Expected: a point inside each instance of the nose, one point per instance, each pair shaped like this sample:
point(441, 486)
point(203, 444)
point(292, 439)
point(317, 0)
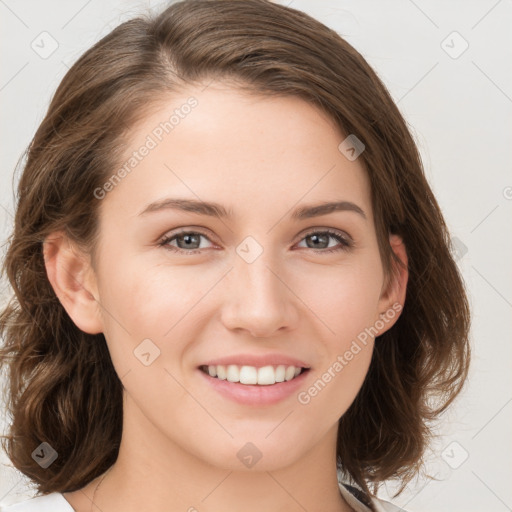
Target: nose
point(259, 299)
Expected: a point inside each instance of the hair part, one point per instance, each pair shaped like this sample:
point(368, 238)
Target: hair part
point(63, 388)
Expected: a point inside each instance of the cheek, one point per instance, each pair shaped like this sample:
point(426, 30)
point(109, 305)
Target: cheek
point(344, 297)
point(347, 345)
point(336, 385)
point(346, 300)
point(146, 310)
point(139, 303)
point(143, 300)
point(148, 298)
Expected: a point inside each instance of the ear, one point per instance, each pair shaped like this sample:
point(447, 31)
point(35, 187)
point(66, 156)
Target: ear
point(393, 292)
point(73, 281)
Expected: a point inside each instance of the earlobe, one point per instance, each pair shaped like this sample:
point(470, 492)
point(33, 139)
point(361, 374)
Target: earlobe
point(73, 281)
point(393, 294)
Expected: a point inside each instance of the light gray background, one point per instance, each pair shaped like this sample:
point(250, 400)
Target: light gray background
point(459, 108)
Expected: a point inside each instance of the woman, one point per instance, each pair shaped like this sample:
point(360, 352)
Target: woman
point(233, 284)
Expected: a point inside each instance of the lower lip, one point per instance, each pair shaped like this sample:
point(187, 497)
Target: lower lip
point(253, 394)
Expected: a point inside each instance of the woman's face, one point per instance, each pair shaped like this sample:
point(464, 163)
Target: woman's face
point(256, 281)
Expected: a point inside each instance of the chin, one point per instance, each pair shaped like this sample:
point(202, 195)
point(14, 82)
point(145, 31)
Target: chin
point(252, 454)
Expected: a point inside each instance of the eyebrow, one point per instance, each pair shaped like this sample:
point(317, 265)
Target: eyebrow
point(213, 209)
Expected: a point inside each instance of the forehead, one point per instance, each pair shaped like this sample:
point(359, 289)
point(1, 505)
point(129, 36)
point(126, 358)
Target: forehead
point(223, 144)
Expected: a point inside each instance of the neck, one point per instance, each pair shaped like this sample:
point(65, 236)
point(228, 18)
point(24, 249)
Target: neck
point(153, 473)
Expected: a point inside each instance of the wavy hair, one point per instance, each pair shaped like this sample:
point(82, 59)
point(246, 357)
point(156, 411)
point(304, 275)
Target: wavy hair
point(62, 386)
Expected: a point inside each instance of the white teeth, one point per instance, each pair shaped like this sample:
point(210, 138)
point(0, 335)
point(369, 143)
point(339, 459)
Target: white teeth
point(248, 375)
point(290, 373)
point(221, 372)
point(280, 373)
point(232, 373)
point(264, 376)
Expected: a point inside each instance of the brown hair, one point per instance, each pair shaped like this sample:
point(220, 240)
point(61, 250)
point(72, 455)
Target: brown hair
point(63, 388)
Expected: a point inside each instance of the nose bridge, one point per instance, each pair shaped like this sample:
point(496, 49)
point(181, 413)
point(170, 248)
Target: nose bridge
point(257, 300)
point(257, 277)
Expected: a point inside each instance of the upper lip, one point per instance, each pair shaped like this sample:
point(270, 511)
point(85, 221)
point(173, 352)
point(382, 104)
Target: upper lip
point(257, 360)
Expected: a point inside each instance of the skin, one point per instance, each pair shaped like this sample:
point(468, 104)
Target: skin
point(261, 157)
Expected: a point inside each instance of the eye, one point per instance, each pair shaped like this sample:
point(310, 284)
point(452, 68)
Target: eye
point(185, 240)
point(320, 238)
point(190, 241)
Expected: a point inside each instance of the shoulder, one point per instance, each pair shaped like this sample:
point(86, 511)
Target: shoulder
point(53, 502)
point(360, 502)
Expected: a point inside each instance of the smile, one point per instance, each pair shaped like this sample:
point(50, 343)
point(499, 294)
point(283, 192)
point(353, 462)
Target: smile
point(254, 386)
point(252, 375)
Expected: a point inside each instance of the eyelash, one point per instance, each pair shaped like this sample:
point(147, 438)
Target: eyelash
point(346, 244)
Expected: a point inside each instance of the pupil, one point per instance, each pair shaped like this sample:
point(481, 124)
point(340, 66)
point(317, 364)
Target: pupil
point(188, 239)
point(317, 238)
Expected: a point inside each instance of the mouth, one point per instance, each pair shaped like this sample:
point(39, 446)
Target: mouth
point(256, 386)
point(268, 375)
